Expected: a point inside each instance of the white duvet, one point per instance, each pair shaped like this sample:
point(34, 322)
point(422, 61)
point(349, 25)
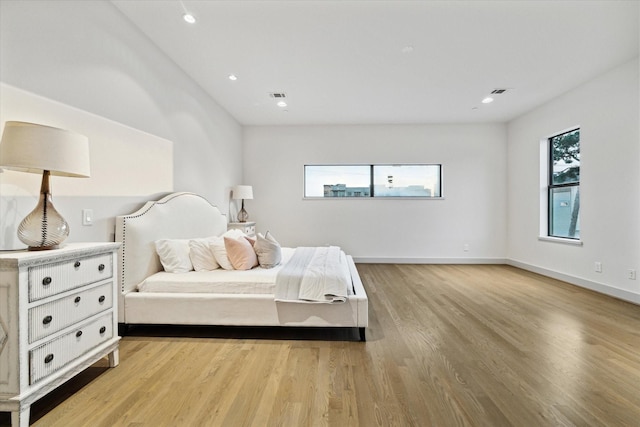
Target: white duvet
point(316, 275)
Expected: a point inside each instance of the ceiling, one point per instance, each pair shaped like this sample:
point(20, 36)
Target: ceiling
point(370, 62)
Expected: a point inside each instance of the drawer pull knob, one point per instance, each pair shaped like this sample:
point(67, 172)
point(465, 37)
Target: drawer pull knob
point(101, 267)
point(48, 358)
point(46, 281)
point(47, 320)
point(77, 300)
point(103, 330)
point(77, 264)
point(101, 299)
point(78, 334)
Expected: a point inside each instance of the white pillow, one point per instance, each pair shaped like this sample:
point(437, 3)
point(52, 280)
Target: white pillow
point(174, 255)
point(201, 256)
point(268, 250)
point(234, 233)
point(216, 245)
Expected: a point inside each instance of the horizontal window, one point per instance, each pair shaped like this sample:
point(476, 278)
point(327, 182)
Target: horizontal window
point(405, 180)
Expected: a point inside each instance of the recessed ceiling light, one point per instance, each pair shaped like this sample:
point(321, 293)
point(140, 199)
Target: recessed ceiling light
point(487, 100)
point(407, 49)
point(189, 18)
point(233, 77)
point(281, 104)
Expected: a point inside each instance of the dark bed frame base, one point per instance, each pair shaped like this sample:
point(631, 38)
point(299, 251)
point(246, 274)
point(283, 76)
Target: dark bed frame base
point(266, 331)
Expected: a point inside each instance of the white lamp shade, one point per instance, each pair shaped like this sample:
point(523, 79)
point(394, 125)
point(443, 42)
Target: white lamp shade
point(244, 192)
point(29, 147)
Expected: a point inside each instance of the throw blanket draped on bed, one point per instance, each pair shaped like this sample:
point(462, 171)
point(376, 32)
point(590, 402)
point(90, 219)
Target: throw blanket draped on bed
point(315, 275)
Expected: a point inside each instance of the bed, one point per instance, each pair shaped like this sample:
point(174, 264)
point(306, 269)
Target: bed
point(251, 303)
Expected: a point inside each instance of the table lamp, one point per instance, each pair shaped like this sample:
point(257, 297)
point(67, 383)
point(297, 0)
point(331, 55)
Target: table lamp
point(242, 192)
point(30, 147)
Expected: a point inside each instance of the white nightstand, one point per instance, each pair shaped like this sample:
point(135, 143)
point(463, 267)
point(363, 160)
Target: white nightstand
point(248, 228)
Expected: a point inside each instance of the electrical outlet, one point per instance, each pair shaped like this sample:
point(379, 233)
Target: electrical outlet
point(631, 274)
point(465, 247)
point(598, 267)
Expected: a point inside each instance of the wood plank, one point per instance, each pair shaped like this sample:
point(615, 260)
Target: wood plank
point(448, 345)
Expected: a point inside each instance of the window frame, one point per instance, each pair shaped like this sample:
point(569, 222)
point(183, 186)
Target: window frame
point(566, 185)
point(372, 192)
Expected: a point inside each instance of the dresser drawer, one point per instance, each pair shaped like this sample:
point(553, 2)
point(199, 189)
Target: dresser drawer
point(56, 315)
point(51, 279)
point(53, 355)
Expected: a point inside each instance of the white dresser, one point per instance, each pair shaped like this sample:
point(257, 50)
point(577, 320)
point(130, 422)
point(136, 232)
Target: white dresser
point(58, 316)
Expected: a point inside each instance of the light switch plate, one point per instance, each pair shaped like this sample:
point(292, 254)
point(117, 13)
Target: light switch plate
point(87, 216)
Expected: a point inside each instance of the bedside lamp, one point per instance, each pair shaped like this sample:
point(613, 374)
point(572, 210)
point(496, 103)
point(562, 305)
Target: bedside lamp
point(29, 147)
point(242, 192)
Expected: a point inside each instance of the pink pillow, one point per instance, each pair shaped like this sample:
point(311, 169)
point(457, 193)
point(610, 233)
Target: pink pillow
point(240, 253)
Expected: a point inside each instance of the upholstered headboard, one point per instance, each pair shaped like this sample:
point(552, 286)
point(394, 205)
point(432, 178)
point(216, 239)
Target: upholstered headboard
point(176, 216)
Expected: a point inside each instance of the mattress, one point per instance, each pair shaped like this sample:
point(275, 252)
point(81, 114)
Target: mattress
point(258, 280)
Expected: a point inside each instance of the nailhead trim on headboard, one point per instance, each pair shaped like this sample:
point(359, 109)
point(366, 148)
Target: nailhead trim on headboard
point(123, 221)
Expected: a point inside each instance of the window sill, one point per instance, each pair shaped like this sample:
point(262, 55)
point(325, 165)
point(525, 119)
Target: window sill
point(571, 242)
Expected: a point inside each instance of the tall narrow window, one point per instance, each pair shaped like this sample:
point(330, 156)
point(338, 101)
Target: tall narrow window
point(564, 185)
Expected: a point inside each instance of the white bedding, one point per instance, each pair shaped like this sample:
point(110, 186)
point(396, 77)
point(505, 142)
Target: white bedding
point(213, 282)
point(317, 275)
point(258, 280)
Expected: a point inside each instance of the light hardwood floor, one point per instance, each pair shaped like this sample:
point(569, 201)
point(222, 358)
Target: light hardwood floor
point(448, 345)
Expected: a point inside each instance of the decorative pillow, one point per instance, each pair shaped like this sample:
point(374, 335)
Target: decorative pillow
point(201, 256)
point(216, 245)
point(268, 251)
point(240, 253)
point(234, 233)
point(174, 255)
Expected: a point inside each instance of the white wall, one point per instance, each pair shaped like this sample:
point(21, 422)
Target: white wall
point(119, 155)
point(607, 111)
point(473, 211)
point(86, 54)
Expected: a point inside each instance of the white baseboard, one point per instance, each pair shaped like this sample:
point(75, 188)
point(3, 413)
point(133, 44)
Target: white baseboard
point(389, 260)
point(584, 283)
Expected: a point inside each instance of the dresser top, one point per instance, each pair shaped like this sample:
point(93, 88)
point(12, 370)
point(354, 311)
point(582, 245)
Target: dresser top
point(68, 251)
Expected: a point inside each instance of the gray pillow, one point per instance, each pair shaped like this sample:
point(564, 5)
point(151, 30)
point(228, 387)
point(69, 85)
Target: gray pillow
point(268, 250)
